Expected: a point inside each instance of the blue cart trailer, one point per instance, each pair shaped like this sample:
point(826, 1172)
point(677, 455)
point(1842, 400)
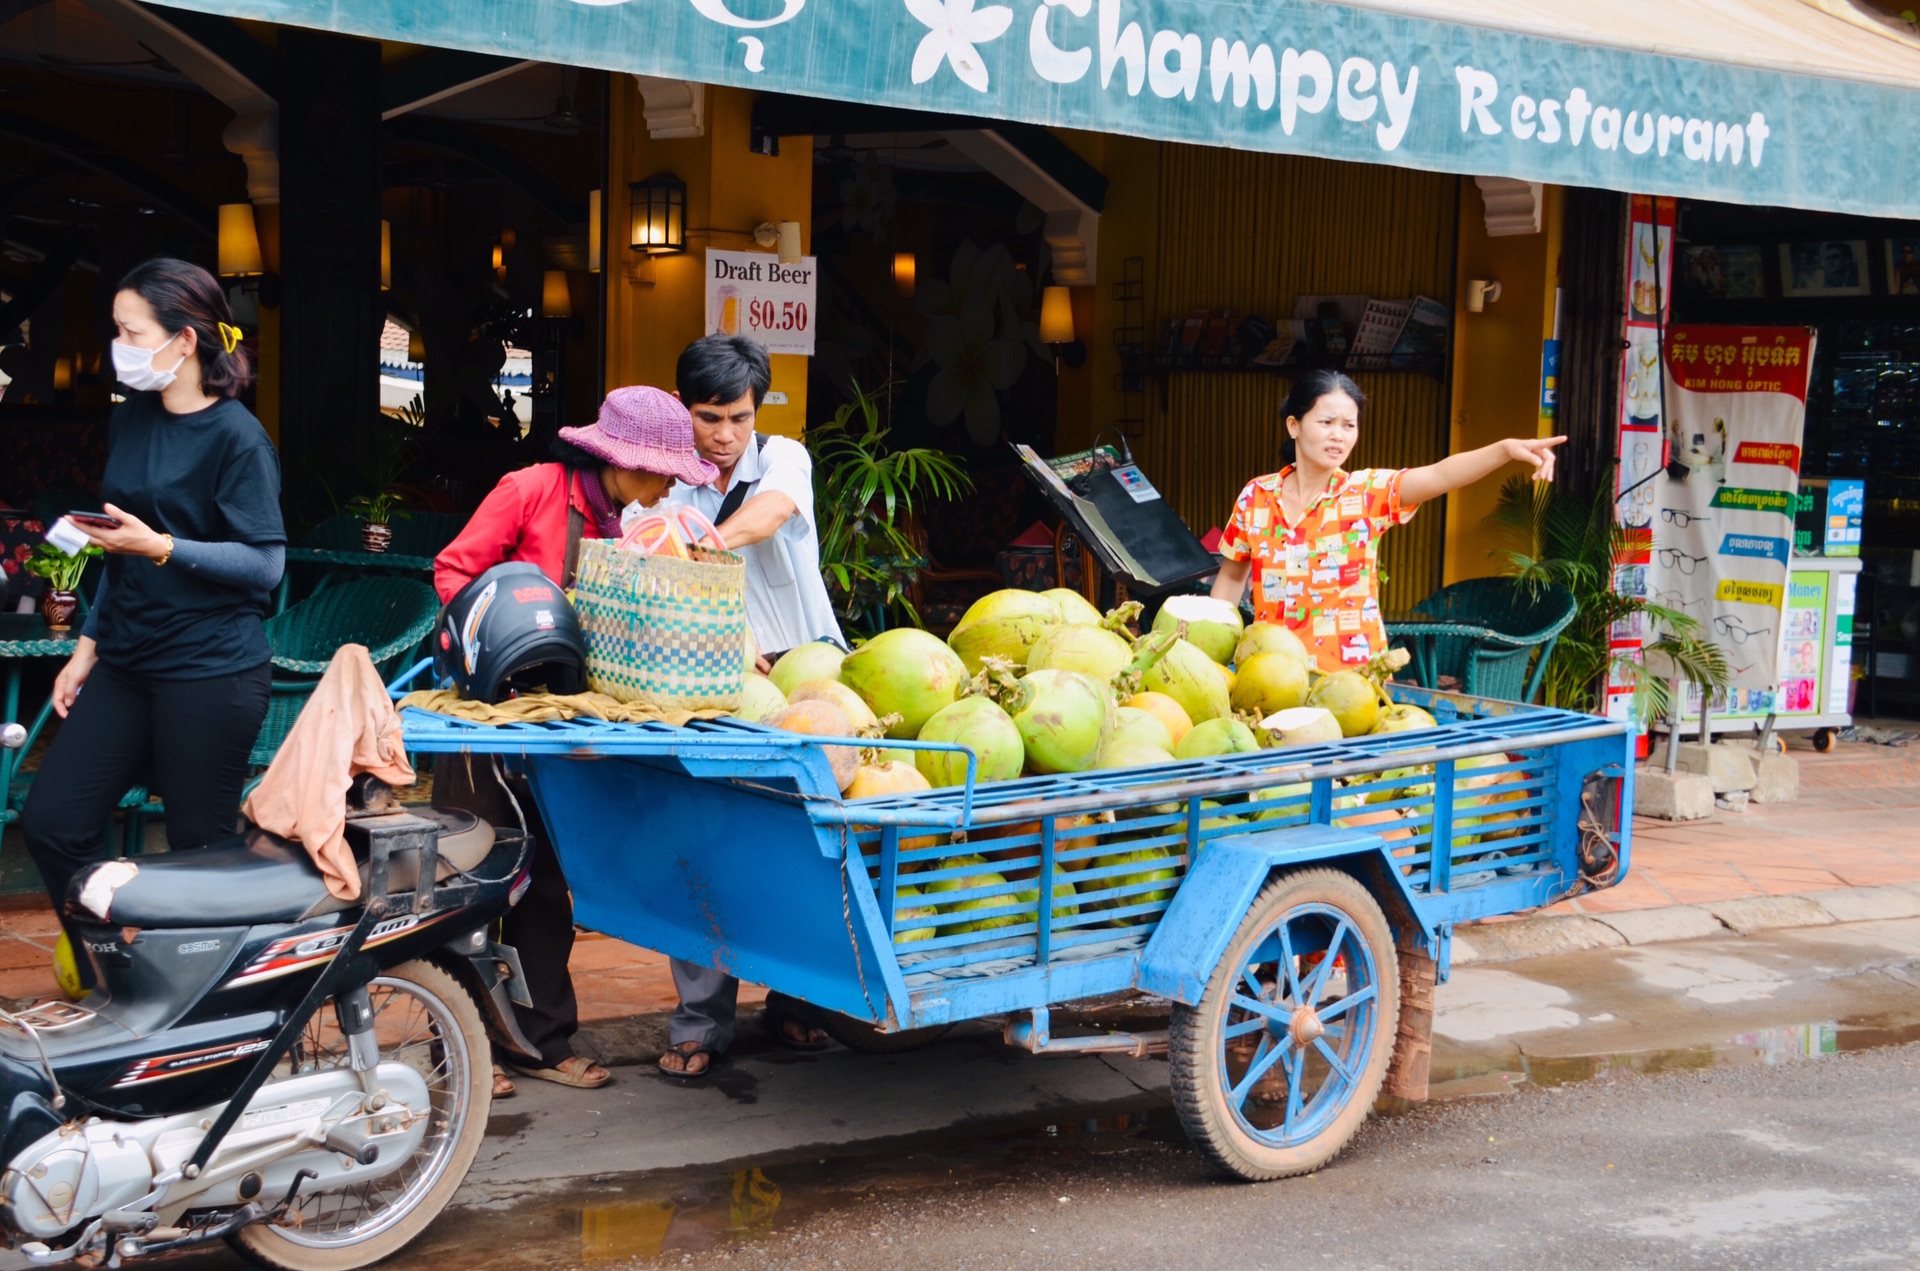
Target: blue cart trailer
point(1293, 906)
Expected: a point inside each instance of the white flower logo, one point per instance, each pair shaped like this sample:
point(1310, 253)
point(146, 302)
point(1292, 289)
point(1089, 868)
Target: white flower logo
point(953, 28)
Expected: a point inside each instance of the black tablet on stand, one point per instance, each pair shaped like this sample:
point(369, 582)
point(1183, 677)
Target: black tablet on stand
point(1122, 519)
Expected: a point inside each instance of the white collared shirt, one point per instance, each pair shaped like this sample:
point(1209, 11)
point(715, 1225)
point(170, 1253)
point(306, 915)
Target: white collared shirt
point(787, 603)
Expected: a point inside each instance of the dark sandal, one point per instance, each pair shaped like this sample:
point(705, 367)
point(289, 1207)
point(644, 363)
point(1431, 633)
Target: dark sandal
point(683, 1075)
point(777, 1019)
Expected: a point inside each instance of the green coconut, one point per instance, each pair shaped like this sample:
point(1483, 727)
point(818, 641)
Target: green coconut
point(982, 727)
point(759, 699)
point(1150, 866)
point(1403, 718)
point(1192, 679)
point(1270, 637)
point(1212, 626)
point(1217, 737)
point(1288, 801)
point(1269, 682)
point(1351, 698)
point(1301, 726)
point(1131, 724)
point(1090, 650)
point(1132, 754)
point(858, 713)
point(1061, 716)
point(914, 924)
point(1002, 624)
point(1073, 606)
point(1062, 891)
point(904, 672)
point(816, 661)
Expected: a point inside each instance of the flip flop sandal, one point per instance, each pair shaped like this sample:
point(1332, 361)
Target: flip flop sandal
point(777, 1019)
point(581, 1077)
point(682, 1074)
point(500, 1076)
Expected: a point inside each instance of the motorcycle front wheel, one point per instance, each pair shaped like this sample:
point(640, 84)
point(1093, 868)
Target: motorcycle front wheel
point(425, 1019)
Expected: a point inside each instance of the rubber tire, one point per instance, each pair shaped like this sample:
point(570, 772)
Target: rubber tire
point(1824, 740)
point(1194, 1044)
point(264, 1245)
point(857, 1034)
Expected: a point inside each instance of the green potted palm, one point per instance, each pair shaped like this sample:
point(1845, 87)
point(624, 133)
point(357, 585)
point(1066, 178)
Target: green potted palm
point(863, 492)
point(1579, 546)
point(62, 573)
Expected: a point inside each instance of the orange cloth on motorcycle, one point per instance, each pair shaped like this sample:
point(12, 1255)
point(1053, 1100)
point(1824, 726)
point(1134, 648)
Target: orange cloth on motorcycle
point(349, 726)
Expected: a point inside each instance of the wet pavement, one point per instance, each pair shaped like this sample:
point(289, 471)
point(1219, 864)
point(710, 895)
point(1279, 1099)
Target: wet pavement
point(1744, 1101)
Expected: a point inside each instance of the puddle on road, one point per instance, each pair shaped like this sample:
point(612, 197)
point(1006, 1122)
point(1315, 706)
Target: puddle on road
point(631, 1220)
point(1784, 1044)
point(613, 1221)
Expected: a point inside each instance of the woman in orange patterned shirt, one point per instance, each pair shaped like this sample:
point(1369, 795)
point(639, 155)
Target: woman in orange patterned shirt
point(1308, 535)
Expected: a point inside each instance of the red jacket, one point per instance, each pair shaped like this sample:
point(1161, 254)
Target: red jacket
point(525, 519)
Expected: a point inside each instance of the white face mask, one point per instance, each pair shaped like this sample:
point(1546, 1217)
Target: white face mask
point(134, 367)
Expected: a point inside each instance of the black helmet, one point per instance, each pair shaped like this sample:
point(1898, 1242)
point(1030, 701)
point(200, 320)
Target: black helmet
point(510, 631)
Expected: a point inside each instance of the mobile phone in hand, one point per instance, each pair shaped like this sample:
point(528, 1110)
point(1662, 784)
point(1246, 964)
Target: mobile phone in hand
point(94, 520)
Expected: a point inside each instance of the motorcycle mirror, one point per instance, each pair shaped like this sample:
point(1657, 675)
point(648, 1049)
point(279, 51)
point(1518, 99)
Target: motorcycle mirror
point(12, 736)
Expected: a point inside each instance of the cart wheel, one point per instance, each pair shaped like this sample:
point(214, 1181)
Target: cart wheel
point(1824, 739)
point(1283, 1057)
point(857, 1034)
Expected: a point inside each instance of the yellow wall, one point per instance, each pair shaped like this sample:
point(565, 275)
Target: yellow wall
point(654, 311)
point(1233, 229)
point(1496, 363)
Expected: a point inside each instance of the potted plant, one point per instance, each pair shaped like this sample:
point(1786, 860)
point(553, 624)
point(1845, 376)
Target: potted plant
point(863, 491)
point(377, 513)
point(62, 573)
point(1580, 546)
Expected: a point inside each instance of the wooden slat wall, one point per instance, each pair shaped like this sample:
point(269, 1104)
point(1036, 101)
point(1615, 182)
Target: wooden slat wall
point(1249, 232)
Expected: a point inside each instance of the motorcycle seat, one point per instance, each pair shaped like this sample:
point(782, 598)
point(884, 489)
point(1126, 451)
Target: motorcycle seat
point(255, 878)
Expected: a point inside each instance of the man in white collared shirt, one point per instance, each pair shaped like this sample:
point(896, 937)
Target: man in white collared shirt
point(762, 503)
point(765, 490)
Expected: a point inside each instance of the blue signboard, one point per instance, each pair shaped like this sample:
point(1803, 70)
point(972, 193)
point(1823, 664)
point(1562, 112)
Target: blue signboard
point(1294, 76)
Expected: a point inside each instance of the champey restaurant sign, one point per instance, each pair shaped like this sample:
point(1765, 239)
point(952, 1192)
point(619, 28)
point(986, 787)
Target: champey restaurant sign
point(1296, 76)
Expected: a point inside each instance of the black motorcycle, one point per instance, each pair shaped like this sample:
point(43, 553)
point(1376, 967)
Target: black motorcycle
point(305, 1078)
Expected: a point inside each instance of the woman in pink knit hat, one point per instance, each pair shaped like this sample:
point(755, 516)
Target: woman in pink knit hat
point(641, 444)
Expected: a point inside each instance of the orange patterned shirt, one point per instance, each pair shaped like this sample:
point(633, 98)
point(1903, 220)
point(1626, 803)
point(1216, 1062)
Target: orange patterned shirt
point(1318, 577)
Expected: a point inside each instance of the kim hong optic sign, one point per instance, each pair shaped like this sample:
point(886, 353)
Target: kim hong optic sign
point(1282, 75)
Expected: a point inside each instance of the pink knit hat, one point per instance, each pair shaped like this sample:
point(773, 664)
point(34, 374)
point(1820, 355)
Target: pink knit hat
point(644, 429)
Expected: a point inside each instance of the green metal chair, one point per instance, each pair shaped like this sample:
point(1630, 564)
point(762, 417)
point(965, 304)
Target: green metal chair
point(391, 616)
point(1485, 632)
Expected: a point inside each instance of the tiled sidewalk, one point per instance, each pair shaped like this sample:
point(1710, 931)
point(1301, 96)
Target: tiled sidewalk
point(1856, 824)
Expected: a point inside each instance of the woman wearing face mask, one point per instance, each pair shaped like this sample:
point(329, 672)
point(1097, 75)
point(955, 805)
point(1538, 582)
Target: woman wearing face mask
point(173, 656)
point(1309, 535)
point(641, 444)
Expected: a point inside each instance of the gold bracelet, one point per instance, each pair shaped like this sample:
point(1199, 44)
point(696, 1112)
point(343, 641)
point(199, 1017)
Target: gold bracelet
point(169, 553)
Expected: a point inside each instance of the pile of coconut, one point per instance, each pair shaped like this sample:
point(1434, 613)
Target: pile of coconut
point(1042, 682)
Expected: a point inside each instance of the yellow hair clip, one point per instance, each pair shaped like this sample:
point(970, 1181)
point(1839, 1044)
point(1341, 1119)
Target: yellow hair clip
point(230, 335)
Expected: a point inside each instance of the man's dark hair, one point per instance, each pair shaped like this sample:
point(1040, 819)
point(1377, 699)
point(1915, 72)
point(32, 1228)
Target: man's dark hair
point(717, 369)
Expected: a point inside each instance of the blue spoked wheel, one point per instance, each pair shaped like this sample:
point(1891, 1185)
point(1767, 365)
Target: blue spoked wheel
point(1281, 1060)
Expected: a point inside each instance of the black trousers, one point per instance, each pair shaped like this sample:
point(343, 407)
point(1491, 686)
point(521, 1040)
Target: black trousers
point(192, 735)
point(540, 927)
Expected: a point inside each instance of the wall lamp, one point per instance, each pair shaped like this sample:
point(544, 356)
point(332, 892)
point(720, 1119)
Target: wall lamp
point(657, 217)
point(783, 237)
point(1056, 327)
point(239, 256)
point(1482, 292)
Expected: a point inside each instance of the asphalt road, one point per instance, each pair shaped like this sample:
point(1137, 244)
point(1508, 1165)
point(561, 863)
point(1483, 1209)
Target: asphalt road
point(1731, 1102)
point(1809, 1165)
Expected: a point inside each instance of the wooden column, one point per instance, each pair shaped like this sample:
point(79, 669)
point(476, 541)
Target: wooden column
point(329, 260)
